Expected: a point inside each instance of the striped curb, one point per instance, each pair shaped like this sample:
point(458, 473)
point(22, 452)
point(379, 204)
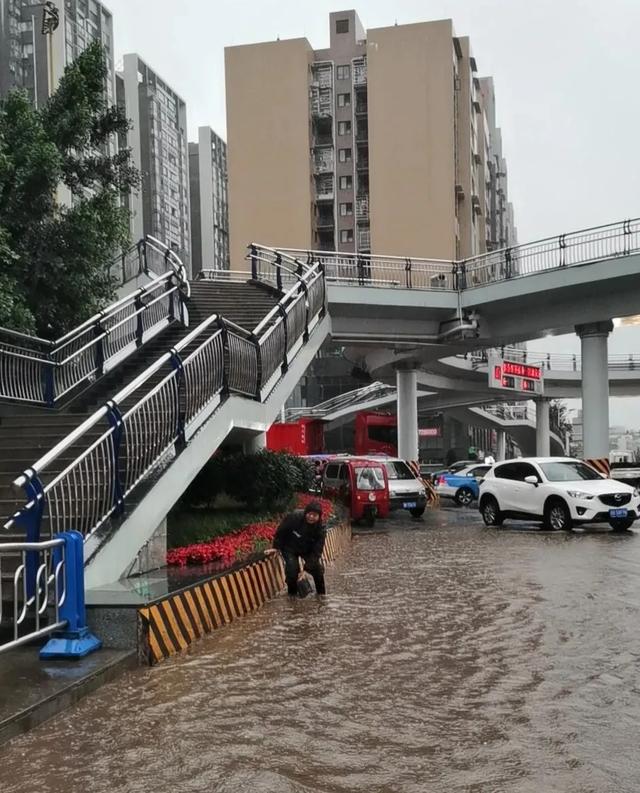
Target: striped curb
point(170, 625)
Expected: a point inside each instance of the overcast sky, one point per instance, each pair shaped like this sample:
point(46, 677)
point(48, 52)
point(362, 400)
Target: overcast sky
point(567, 79)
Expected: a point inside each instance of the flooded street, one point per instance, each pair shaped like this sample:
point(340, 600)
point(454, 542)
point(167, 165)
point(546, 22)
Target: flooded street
point(447, 657)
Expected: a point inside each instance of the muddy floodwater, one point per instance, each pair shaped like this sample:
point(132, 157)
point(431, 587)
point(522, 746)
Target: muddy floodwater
point(447, 657)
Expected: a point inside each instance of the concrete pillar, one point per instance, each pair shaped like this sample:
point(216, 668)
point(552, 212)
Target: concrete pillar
point(543, 442)
point(501, 450)
point(256, 444)
point(595, 388)
point(407, 389)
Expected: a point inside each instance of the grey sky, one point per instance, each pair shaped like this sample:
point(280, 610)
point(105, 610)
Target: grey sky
point(566, 75)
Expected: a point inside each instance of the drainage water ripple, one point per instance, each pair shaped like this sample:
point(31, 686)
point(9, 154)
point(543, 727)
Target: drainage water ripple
point(447, 657)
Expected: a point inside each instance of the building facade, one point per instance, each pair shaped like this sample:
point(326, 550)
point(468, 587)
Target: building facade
point(158, 141)
point(209, 204)
point(383, 143)
point(33, 61)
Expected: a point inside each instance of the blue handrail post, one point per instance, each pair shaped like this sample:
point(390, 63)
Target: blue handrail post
point(30, 519)
point(139, 307)
point(75, 641)
point(279, 271)
point(100, 334)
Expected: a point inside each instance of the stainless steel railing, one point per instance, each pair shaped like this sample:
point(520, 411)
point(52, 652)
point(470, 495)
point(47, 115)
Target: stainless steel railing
point(41, 372)
point(612, 241)
point(352, 399)
point(147, 423)
point(35, 588)
point(550, 361)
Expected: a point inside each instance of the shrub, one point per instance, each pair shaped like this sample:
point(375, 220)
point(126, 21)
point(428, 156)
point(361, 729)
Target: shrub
point(208, 484)
point(264, 481)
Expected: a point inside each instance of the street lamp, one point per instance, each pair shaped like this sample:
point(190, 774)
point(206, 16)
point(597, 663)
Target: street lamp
point(50, 22)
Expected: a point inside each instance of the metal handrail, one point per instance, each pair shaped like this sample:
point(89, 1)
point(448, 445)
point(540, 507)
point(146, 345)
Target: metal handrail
point(146, 420)
point(38, 585)
point(355, 397)
point(613, 240)
point(551, 361)
point(43, 376)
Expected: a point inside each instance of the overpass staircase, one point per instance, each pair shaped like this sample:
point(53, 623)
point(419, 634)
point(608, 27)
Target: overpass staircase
point(109, 424)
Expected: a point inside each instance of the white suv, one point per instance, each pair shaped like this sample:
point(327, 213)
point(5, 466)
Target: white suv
point(558, 491)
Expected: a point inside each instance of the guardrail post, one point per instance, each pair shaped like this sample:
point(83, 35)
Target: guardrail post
point(279, 271)
point(142, 257)
point(626, 231)
point(562, 244)
point(139, 307)
point(178, 366)
point(167, 256)
point(100, 334)
point(283, 314)
point(225, 355)
point(258, 395)
point(172, 304)
point(507, 263)
point(462, 276)
point(305, 289)
point(299, 268)
point(48, 381)
point(75, 641)
point(253, 255)
point(30, 520)
point(407, 271)
point(114, 417)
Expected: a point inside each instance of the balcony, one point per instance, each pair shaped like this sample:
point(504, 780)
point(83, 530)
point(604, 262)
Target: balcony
point(324, 188)
point(362, 133)
point(361, 108)
point(360, 72)
point(362, 164)
point(325, 221)
point(321, 101)
point(364, 240)
point(323, 161)
point(362, 209)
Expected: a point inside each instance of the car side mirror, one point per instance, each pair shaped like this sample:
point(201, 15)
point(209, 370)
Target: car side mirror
point(532, 480)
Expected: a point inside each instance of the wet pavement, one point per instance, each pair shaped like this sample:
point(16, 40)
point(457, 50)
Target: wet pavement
point(447, 657)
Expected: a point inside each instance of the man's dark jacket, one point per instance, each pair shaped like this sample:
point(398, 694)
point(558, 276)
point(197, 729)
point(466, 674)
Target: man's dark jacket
point(297, 536)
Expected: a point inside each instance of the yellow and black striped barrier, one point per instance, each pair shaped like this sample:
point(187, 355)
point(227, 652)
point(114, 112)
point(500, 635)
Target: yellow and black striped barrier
point(433, 499)
point(601, 464)
point(170, 625)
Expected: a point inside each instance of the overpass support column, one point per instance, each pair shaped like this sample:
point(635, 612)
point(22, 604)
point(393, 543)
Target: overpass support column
point(543, 442)
point(256, 444)
point(501, 451)
point(595, 388)
point(407, 389)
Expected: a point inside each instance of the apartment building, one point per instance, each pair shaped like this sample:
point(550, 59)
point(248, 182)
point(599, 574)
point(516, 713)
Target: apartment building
point(379, 143)
point(158, 141)
point(209, 204)
point(33, 61)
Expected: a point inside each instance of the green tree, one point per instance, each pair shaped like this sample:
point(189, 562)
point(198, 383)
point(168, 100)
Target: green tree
point(55, 254)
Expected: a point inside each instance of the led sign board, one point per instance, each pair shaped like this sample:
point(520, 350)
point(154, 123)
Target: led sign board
point(512, 376)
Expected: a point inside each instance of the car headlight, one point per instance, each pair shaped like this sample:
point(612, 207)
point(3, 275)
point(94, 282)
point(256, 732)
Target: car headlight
point(579, 494)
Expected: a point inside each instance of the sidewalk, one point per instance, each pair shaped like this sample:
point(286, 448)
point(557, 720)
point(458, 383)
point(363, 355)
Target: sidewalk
point(32, 691)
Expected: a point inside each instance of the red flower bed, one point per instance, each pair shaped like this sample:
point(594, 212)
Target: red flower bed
point(240, 544)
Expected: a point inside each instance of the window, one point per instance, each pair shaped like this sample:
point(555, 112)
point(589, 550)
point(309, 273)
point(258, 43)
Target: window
point(346, 182)
point(342, 25)
point(479, 471)
point(344, 155)
point(346, 209)
point(568, 472)
point(344, 72)
point(382, 434)
point(515, 471)
point(344, 100)
point(399, 470)
point(344, 127)
point(331, 471)
point(346, 235)
point(369, 479)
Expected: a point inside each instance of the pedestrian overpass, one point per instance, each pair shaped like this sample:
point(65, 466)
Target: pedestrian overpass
point(111, 423)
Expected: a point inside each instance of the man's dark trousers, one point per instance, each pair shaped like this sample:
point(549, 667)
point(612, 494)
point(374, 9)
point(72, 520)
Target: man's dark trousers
point(312, 564)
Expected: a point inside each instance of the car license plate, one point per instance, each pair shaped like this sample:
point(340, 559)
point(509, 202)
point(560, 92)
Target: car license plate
point(411, 505)
point(618, 513)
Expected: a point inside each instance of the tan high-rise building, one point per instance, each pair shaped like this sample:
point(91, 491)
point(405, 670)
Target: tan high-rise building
point(381, 143)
